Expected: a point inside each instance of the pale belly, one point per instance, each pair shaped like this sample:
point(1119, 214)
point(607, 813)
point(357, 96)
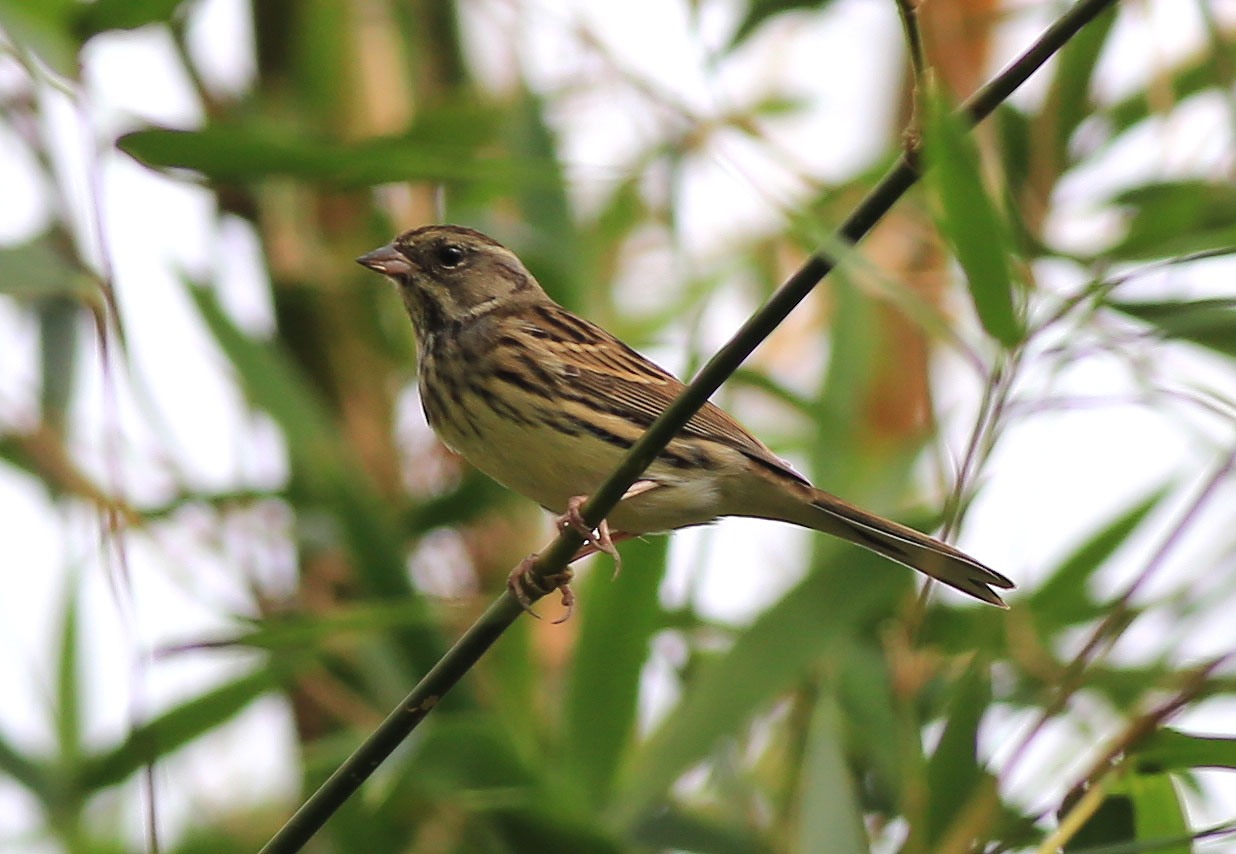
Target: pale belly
point(551, 466)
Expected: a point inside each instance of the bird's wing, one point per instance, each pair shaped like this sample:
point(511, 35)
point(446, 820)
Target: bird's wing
point(623, 383)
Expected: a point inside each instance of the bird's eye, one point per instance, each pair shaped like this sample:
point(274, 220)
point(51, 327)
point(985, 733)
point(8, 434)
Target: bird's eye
point(450, 255)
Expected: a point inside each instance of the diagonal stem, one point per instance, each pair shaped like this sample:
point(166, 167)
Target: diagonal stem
point(481, 635)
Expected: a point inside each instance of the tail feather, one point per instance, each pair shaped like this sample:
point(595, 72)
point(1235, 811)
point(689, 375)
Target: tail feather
point(906, 546)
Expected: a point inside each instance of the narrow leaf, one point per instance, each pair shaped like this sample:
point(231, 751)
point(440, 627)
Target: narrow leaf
point(971, 222)
point(954, 769)
point(759, 11)
point(1210, 323)
point(868, 707)
point(553, 249)
point(272, 383)
point(43, 29)
point(309, 632)
point(1176, 218)
point(602, 691)
point(103, 15)
point(1063, 599)
point(68, 680)
point(1171, 86)
point(1112, 822)
point(38, 269)
point(1157, 811)
point(830, 818)
point(26, 770)
point(676, 830)
point(58, 344)
point(1173, 750)
point(175, 728)
point(440, 147)
point(1069, 101)
point(1140, 813)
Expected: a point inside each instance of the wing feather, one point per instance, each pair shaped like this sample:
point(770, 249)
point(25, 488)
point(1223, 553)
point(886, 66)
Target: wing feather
point(604, 369)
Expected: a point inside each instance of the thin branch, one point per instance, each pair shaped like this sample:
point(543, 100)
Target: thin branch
point(552, 561)
point(908, 13)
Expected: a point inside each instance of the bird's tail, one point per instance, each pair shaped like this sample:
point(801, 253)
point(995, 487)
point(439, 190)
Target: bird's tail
point(830, 514)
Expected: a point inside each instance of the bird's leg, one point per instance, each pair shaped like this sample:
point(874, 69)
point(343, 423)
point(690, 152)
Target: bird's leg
point(604, 539)
point(595, 541)
point(526, 586)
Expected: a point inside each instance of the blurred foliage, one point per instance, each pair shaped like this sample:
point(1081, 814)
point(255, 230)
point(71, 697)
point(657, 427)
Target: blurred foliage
point(848, 714)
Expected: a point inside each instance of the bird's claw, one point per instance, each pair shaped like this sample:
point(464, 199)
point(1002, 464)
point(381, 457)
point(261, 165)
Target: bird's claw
point(599, 540)
point(526, 586)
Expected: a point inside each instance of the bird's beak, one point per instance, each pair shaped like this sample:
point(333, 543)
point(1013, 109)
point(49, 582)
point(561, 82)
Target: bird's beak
point(386, 260)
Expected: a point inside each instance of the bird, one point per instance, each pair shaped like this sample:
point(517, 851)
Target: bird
point(546, 403)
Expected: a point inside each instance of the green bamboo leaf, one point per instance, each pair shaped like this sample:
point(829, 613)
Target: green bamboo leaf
point(1157, 811)
point(1069, 102)
point(954, 770)
point(730, 689)
point(602, 690)
point(43, 28)
point(1161, 844)
point(1112, 822)
point(469, 751)
point(1176, 218)
point(68, 680)
point(1063, 599)
point(1210, 323)
point(622, 212)
point(103, 15)
point(865, 696)
point(756, 379)
point(1172, 750)
point(1171, 86)
point(272, 383)
point(759, 11)
point(960, 629)
point(174, 728)
point(58, 343)
point(829, 816)
point(38, 269)
point(28, 771)
point(1141, 812)
point(1126, 687)
point(311, 632)
point(553, 249)
point(475, 495)
point(539, 826)
point(854, 345)
point(971, 222)
point(1016, 152)
point(441, 146)
point(676, 830)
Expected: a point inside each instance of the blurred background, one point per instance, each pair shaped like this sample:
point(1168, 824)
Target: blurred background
point(230, 544)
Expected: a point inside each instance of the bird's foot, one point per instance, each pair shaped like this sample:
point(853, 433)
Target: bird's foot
point(589, 549)
point(526, 586)
point(594, 541)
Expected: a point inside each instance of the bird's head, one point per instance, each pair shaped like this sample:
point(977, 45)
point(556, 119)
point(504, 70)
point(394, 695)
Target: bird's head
point(448, 274)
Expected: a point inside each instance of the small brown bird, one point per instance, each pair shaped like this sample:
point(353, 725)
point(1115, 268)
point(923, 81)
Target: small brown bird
point(547, 403)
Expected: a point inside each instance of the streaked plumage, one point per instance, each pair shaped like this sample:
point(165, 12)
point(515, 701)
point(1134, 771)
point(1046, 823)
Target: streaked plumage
point(546, 403)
